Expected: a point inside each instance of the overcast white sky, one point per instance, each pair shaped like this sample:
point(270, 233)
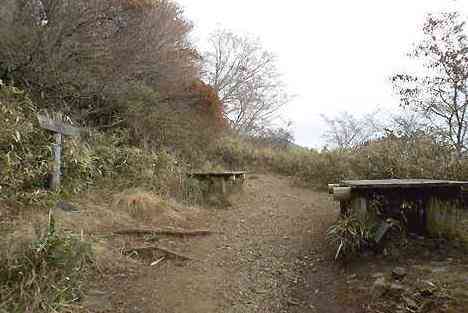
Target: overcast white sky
point(335, 55)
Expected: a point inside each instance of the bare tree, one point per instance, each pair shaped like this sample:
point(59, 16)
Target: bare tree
point(84, 57)
point(280, 136)
point(441, 91)
point(246, 79)
point(408, 124)
point(346, 131)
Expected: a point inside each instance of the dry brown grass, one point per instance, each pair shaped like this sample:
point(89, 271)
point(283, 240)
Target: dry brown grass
point(101, 213)
point(39, 265)
point(147, 207)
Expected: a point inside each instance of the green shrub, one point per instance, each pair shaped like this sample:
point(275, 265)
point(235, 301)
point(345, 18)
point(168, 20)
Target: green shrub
point(235, 153)
point(350, 235)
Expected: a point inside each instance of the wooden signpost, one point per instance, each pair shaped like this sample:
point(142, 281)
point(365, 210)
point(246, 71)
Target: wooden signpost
point(59, 129)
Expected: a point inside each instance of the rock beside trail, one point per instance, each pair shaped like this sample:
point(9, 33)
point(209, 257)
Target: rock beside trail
point(419, 287)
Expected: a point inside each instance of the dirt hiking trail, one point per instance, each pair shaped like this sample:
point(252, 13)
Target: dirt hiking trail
point(267, 255)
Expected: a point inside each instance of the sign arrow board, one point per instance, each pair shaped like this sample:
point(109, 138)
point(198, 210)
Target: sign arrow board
point(58, 126)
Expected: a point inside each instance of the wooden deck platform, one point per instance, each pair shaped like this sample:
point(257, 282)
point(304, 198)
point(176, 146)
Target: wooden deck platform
point(413, 201)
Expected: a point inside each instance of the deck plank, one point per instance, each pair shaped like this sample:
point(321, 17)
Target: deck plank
point(402, 183)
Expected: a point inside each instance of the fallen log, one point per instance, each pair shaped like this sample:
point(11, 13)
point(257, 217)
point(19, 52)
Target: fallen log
point(165, 232)
point(164, 250)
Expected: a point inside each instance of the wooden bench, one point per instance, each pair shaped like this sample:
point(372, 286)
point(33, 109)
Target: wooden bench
point(220, 178)
point(414, 198)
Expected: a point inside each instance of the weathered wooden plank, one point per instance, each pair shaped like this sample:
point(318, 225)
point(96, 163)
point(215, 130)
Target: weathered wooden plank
point(342, 193)
point(401, 183)
point(223, 185)
point(58, 126)
point(217, 174)
point(57, 172)
point(165, 232)
point(331, 186)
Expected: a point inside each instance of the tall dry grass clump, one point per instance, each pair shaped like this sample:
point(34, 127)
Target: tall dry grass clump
point(42, 268)
point(149, 208)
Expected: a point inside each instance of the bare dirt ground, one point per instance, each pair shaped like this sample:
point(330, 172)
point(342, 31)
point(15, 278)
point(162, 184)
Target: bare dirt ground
point(268, 254)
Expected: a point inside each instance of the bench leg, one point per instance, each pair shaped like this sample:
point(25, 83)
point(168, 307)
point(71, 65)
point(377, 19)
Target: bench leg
point(345, 207)
point(223, 186)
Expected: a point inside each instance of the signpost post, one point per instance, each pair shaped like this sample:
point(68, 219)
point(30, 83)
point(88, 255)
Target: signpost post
point(59, 129)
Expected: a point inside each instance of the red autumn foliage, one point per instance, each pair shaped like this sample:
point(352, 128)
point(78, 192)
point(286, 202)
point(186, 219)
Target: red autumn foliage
point(207, 102)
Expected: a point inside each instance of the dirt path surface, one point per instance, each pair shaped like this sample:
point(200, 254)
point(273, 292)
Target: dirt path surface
point(267, 256)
